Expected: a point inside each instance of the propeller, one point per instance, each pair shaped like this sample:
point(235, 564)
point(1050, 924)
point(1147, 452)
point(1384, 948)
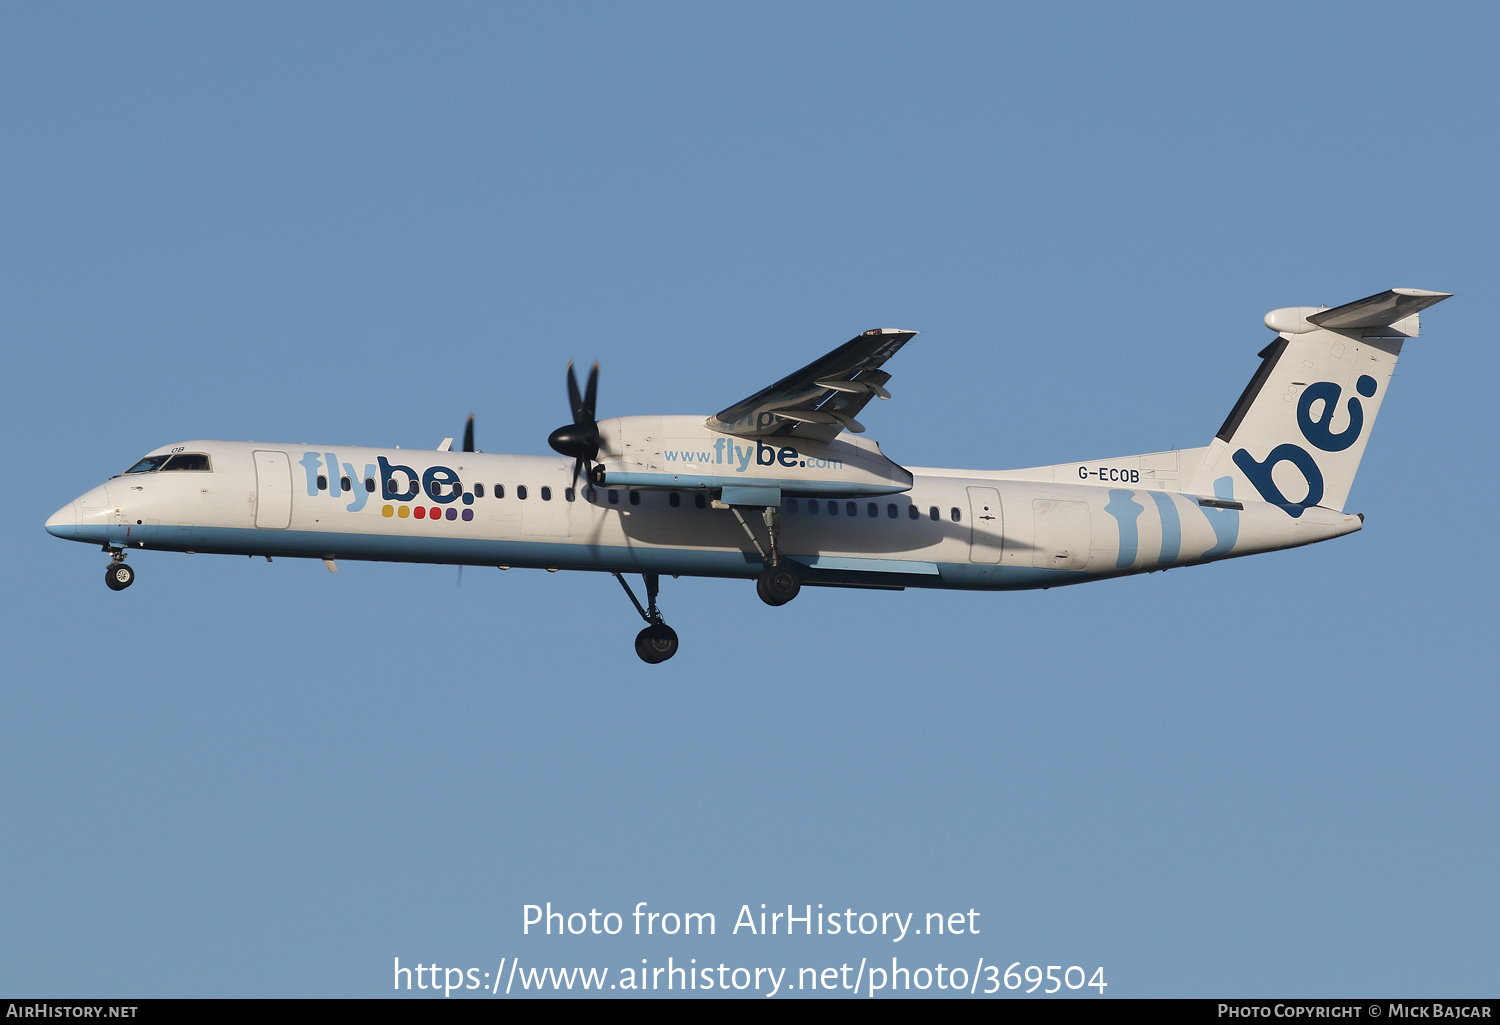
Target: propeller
point(468, 447)
point(580, 439)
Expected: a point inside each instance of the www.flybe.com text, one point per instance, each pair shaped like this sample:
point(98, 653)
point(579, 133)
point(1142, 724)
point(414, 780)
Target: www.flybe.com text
point(727, 453)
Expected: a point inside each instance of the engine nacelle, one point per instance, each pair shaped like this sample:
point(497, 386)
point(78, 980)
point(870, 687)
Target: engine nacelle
point(680, 452)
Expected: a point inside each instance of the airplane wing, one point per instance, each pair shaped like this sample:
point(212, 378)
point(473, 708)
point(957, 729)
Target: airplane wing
point(821, 399)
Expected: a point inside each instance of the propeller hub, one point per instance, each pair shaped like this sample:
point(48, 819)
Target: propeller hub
point(580, 441)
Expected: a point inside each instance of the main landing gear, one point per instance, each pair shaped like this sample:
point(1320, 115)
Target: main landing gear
point(778, 583)
point(658, 642)
point(118, 576)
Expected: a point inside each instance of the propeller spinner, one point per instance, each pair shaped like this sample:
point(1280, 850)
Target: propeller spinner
point(580, 439)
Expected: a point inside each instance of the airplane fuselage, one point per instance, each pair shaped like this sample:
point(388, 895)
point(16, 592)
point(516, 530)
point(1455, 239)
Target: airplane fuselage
point(966, 529)
point(784, 488)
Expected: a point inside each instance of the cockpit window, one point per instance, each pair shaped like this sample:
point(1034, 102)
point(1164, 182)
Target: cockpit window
point(148, 464)
point(188, 461)
point(181, 461)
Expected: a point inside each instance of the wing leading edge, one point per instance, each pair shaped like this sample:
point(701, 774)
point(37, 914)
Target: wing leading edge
point(820, 400)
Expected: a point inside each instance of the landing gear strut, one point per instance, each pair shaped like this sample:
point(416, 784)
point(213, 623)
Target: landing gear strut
point(778, 583)
point(658, 642)
point(118, 576)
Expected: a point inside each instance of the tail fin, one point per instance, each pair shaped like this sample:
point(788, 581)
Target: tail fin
point(1296, 436)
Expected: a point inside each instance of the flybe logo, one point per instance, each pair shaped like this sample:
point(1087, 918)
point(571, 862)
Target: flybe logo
point(397, 483)
point(1319, 433)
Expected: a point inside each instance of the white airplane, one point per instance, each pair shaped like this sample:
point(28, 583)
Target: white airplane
point(783, 489)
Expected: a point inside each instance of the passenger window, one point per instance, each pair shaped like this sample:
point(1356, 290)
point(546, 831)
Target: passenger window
point(851, 508)
point(346, 484)
point(674, 500)
point(700, 500)
point(478, 490)
point(936, 516)
point(570, 494)
point(546, 494)
point(873, 510)
point(954, 514)
point(635, 498)
point(614, 498)
point(890, 510)
point(589, 494)
point(499, 490)
point(370, 485)
point(322, 482)
point(521, 494)
point(911, 511)
point(791, 505)
point(833, 508)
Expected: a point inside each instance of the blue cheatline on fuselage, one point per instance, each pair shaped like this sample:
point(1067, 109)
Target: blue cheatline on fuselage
point(453, 551)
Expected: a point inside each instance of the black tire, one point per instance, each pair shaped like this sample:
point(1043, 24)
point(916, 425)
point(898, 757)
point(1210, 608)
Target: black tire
point(656, 643)
point(118, 576)
point(778, 585)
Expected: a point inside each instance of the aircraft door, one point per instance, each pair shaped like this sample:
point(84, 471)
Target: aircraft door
point(987, 533)
point(273, 490)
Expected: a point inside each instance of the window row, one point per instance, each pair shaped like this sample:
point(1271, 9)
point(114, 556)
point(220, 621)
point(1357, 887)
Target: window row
point(814, 506)
point(521, 492)
point(872, 509)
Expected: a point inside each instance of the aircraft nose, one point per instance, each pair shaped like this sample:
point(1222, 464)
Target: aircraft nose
point(64, 522)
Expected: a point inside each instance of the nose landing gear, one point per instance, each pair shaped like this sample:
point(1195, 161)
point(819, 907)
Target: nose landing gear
point(658, 642)
point(118, 576)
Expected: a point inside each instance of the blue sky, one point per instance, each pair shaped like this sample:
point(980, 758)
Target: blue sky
point(356, 224)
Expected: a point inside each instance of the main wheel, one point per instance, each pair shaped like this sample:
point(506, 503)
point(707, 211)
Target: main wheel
point(119, 576)
point(778, 585)
point(656, 643)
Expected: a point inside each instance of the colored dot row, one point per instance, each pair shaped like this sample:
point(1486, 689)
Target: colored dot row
point(423, 512)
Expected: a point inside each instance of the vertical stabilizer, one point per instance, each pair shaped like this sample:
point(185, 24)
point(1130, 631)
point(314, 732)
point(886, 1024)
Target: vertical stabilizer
point(1296, 436)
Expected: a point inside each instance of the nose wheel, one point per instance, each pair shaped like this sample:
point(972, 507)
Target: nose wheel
point(119, 576)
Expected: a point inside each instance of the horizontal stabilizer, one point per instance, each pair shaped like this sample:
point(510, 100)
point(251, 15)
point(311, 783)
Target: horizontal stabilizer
point(1380, 310)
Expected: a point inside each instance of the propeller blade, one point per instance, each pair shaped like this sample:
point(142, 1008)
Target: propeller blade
point(469, 434)
point(575, 401)
point(590, 393)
